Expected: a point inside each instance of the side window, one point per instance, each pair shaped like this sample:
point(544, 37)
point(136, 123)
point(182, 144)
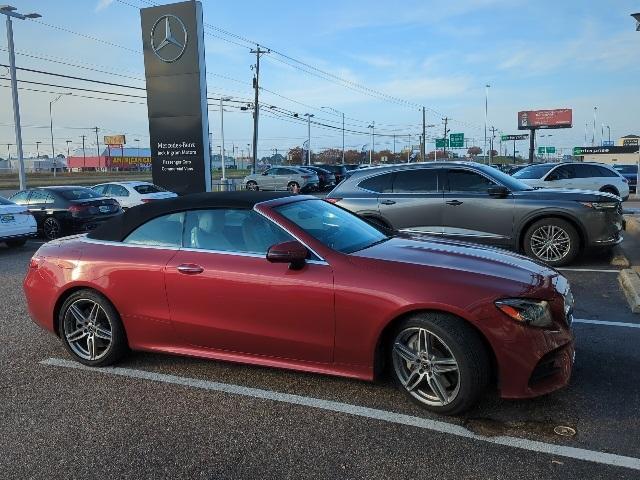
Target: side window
point(467, 181)
point(225, 230)
point(424, 180)
point(564, 172)
point(100, 189)
point(117, 191)
point(40, 197)
point(165, 231)
point(379, 183)
point(275, 171)
point(20, 197)
point(586, 171)
point(605, 172)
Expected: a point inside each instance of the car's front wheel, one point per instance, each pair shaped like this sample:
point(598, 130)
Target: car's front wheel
point(91, 329)
point(553, 241)
point(440, 362)
point(251, 185)
point(293, 187)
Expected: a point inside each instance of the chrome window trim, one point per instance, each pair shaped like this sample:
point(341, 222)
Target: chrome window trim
point(129, 245)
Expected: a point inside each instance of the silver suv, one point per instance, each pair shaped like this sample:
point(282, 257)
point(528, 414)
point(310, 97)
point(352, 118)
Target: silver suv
point(293, 179)
point(479, 203)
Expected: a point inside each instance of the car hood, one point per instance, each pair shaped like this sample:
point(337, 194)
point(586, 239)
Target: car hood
point(428, 251)
point(567, 194)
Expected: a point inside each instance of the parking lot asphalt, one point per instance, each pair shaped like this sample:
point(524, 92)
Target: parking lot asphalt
point(159, 416)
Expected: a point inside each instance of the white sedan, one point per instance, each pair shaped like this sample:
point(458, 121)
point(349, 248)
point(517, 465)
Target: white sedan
point(578, 175)
point(17, 223)
point(130, 194)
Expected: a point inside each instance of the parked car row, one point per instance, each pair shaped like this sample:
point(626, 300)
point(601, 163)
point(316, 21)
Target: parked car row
point(64, 210)
point(302, 178)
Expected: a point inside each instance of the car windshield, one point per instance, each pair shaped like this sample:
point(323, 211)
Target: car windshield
point(626, 168)
point(148, 188)
point(533, 172)
point(504, 179)
point(334, 227)
point(79, 193)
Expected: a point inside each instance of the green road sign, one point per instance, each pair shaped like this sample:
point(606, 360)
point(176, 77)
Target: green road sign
point(551, 149)
point(442, 142)
point(541, 150)
point(577, 151)
point(456, 140)
point(522, 136)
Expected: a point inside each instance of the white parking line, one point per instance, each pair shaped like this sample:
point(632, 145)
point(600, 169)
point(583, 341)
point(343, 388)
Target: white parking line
point(600, 270)
point(373, 413)
point(607, 323)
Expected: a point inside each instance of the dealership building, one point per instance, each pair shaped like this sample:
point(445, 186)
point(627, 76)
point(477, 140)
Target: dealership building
point(111, 158)
point(624, 152)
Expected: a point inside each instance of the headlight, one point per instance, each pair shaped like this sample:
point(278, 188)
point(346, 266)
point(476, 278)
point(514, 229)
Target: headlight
point(535, 313)
point(601, 205)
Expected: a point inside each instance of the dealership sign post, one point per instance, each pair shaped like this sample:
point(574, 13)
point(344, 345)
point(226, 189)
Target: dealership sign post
point(534, 119)
point(173, 44)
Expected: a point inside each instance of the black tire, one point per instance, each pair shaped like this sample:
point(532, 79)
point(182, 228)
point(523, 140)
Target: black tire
point(551, 259)
point(465, 346)
point(253, 186)
point(51, 228)
point(611, 190)
point(16, 243)
point(116, 348)
point(293, 187)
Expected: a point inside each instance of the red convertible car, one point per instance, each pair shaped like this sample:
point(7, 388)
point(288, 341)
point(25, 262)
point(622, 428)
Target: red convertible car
point(295, 282)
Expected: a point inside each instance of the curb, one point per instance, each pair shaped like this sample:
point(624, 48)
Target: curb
point(630, 282)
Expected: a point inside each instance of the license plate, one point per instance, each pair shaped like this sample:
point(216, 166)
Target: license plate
point(7, 218)
point(104, 208)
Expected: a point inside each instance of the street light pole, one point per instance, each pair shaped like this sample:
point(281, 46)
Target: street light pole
point(38, 149)
point(68, 142)
point(373, 141)
point(636, 16)
point(10, 12)
point(486, 115)
point(224, 178)
point(593, 133)
point(53, 150)
point(309, 115)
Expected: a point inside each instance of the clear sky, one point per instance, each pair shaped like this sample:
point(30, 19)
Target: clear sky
point(535, 55)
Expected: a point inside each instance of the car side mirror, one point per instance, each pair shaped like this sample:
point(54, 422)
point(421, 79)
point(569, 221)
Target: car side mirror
point(498, 191)
point(293, 253)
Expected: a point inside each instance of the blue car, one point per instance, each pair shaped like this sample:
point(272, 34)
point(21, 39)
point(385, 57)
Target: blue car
point(630, 172)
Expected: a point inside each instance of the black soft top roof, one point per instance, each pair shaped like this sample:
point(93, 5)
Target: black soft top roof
point(121, 226)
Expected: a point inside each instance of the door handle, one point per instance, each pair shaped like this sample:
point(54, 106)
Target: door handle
point(455, 203)
point(190, 269)
point(387, 202)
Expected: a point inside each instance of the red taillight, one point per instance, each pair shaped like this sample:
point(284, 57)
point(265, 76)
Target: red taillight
point(78, 208)
point(332, 200)
point(147, 200)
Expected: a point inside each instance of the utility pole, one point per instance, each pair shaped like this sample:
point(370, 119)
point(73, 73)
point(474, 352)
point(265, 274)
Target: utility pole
point(373, 141)
point(256, 106)
point(394, 146)
point(84, 153)
point(593, 134)
point(53, 150)
point(97, 146)
point(493, 135)
point(486, 116)
point(309, 115)
point(444, 150)
point(224, 178)
point(38, 149)
point(68, 142)
point(10, 12)
point(424, 135)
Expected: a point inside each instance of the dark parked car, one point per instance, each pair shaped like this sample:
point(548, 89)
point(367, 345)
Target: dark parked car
point(630, 172)
point(326, 178)
point(62, 211)
point(291, 281)
point(338, 170)
point(475, 202)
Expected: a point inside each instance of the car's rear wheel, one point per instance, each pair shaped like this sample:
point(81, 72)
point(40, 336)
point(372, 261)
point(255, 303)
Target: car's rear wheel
point(51, 228)
point(440, 362)
point(16, 243)
point(553, 241)
point(251, 185)
point(91, 329)
point(293, 187)
point(610, 190)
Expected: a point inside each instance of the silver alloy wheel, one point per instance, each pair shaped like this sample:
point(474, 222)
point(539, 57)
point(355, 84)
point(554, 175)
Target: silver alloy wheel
point(252, 186)
point(87, 329)
point(550, 243)
point(51, 228)
point(426, 366)
point(293, 187)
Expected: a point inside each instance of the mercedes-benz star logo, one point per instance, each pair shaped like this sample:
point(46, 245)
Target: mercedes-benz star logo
point(171, 47)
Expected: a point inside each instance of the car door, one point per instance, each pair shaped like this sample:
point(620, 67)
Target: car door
point(41, 204)
point(471, 213)
point(267, 180)
point(563, 176)
point(225, 295)
point(411, 199)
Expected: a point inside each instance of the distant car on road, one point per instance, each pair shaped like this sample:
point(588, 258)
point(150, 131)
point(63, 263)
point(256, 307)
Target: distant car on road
point(475, 202)
point(575, 175)
point(326, 178)
point(630, 172)
point(338, 170)
point(130, 194)
point(292, 179)
point(62, 211)
point(17, 223)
